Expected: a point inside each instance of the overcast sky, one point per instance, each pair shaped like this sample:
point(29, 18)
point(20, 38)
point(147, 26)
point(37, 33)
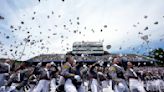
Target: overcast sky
point(53, 25)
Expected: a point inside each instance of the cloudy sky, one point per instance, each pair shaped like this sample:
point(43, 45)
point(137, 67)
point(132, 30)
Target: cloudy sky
point(51, 26)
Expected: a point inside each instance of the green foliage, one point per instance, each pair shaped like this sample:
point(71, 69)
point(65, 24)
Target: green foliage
point(158, 54)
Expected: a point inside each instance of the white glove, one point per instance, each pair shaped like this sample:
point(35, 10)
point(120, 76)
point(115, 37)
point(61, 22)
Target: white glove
point(77, 77)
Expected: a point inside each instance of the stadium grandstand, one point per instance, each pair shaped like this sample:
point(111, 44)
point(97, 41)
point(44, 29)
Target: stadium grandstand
point(90, 52)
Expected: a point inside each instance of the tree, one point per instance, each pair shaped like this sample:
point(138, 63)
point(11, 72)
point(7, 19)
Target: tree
point(158, 54)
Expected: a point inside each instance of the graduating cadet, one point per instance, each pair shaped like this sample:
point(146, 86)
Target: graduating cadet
point(44, 80)
point(53, 74)
point(135, 84)
point(93, 78)
point(117, 73)
point(69, 73)
point(4, 71)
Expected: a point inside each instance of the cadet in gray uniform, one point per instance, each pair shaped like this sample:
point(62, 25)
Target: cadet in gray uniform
point(68, 74)
point(44, 80)
point(135, 84)
point(118, 80)
point(4, 71)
